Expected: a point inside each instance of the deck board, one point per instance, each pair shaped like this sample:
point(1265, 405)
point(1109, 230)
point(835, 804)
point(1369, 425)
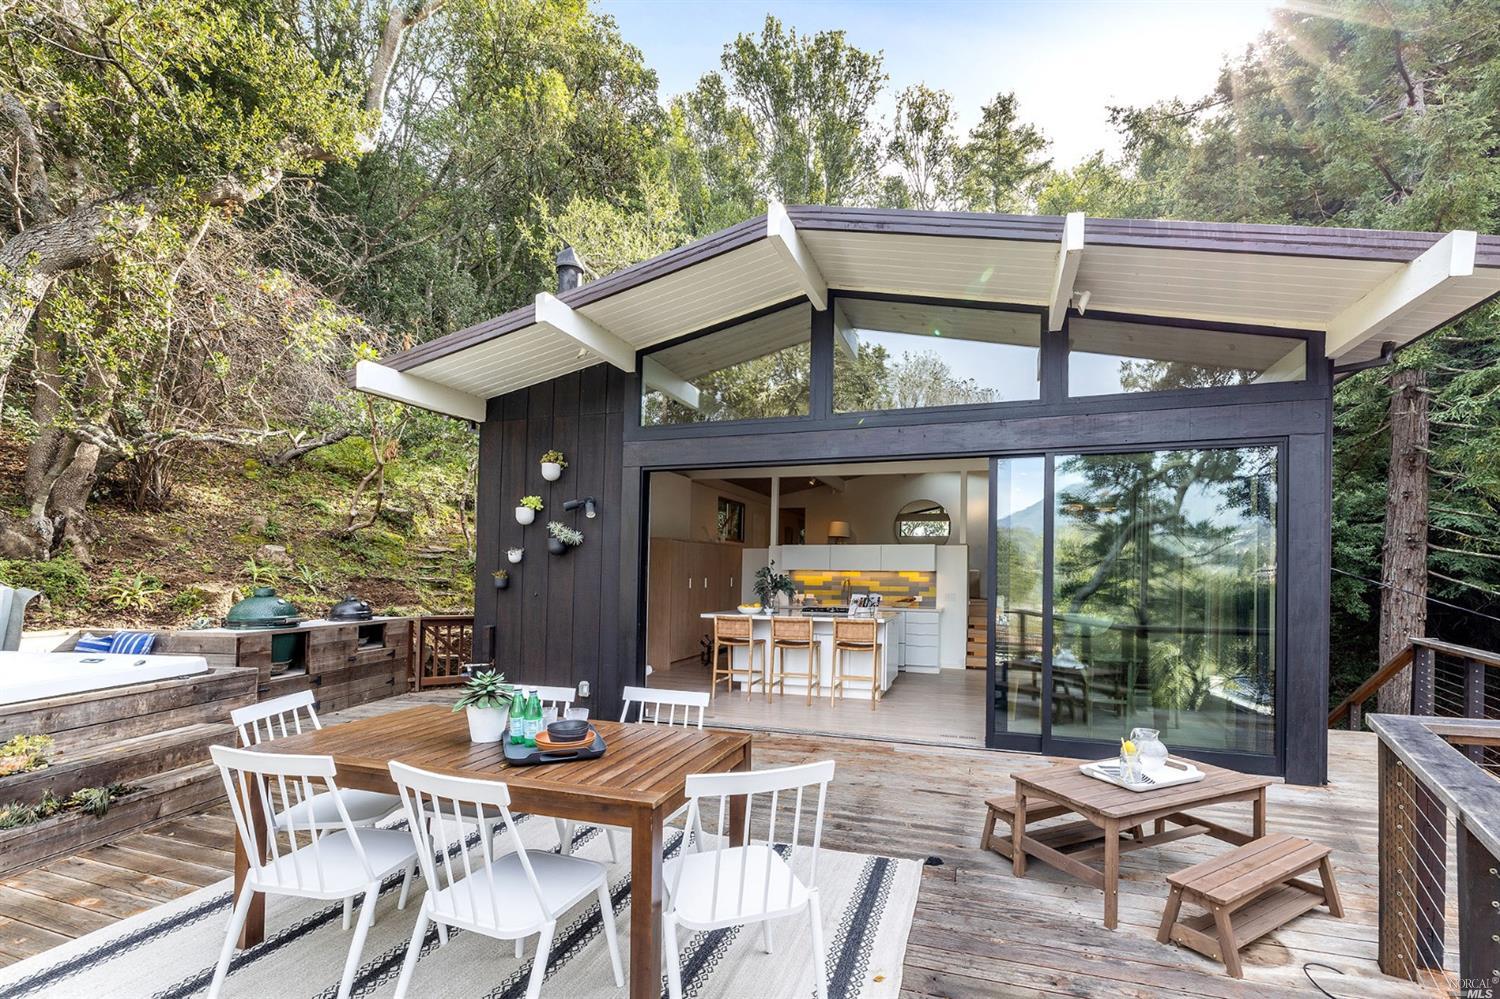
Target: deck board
point(978, 930)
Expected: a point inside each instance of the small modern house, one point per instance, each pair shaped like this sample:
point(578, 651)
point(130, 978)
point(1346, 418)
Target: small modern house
point(1085, 463)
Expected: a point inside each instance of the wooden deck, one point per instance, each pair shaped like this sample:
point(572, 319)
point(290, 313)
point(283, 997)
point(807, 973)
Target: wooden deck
point(978, 931)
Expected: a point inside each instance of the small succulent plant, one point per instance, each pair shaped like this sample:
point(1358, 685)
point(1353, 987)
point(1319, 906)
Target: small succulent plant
point(567, 535)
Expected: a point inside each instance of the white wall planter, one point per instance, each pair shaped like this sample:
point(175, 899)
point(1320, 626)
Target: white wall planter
point(487, 724)
point(514, 555)
point(525, 515)
point(551, 471)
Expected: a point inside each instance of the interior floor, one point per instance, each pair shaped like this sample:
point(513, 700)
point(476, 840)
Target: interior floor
point(946, 707)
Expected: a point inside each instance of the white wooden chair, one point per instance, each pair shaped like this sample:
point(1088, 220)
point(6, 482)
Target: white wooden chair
point(293, 715)
point(508, 897)
point(649, 704)
point(712, 886)
point(311, 863)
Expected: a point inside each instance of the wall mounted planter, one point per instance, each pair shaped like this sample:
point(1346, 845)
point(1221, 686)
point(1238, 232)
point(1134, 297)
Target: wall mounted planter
point(514, 555)
point(556, 546)
point(502, 582)
point(525, 515)
point(551, 471)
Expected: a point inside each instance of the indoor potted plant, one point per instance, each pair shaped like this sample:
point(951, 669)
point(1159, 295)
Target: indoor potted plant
point(502, 578)
point(768, 583)
point(515, 555)
point(527, 511)
point(486, 700)
point(563, 537)
point(553, 464)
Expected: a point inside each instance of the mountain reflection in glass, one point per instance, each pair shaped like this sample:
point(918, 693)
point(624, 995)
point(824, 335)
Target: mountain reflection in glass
point(1164, 594)
point(1019, 523)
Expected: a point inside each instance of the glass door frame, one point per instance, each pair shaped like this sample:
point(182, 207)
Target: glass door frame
point(1043, 741)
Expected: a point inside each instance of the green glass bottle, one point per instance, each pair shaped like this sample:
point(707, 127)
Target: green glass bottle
point(533, 717)
point(518, 716)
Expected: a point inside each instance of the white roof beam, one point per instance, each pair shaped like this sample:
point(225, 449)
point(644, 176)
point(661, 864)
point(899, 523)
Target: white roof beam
point(844, 337)
point(1447, 260)
point(1069, 254)
point(795, 254)
point(659, 377)
point(560, 317)
point(424, 393)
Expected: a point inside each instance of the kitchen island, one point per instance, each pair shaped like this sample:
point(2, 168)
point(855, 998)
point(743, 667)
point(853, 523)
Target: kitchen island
point(760, 630)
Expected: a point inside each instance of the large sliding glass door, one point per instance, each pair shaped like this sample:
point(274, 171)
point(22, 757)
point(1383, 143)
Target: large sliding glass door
point(1137, 589)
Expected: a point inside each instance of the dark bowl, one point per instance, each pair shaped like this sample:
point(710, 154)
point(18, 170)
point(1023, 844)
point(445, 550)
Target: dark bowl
point(568, 730)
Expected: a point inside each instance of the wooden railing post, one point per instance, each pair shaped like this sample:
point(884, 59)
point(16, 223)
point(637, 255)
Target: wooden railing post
point(1478, 917)
point(1422, 669)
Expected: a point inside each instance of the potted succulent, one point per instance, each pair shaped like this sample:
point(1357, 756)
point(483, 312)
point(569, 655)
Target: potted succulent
point(515, 555)
point(563, 537)
point(527, 511)
point(486, 700)
point(553, 464)
point(502, 578)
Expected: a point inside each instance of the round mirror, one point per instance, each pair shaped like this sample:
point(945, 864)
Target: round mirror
point(923, 522)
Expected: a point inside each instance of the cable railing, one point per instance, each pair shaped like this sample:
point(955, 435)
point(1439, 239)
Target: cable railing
point(1445, 681)
point(1439, 853)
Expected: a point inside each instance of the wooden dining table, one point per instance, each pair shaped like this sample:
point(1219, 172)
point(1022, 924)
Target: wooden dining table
point(636, 784)
point(1112, 810)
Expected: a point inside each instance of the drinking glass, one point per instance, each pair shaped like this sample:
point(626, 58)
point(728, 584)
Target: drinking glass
point(577, 714)
point(549, 715)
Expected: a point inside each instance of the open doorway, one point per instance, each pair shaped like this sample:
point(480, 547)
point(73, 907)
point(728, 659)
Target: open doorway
point(903, 545)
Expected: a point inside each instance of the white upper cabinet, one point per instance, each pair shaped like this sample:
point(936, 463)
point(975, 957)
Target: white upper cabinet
point(908, 558)
point(804, 557)
point(854, 556)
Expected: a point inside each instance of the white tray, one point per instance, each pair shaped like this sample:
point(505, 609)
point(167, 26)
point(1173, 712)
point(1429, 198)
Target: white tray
point(1178, 772)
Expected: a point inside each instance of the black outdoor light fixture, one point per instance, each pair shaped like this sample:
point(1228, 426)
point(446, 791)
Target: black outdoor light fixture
point(588, 507)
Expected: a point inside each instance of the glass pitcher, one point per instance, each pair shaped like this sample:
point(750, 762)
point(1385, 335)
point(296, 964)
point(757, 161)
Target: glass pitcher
point(1153, 752)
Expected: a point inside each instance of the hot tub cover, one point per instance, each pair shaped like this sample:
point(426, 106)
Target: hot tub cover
point(30, 676)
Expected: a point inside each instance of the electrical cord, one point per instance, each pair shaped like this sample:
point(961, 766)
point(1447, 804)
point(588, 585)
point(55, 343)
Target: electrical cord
point(1314, 981)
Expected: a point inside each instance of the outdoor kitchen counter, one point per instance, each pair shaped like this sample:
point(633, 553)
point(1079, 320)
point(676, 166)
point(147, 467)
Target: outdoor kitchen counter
point(760, 629)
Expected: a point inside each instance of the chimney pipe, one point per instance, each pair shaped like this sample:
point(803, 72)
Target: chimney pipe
point(569, 270)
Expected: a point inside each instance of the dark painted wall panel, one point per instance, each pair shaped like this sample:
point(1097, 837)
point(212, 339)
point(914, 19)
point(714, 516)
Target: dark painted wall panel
point(558, 621)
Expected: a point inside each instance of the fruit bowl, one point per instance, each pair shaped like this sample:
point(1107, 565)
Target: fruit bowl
point(749, 608)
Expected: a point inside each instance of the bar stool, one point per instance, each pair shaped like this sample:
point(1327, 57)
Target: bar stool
point(793, 634)
point(733, 632)
point(856, 637)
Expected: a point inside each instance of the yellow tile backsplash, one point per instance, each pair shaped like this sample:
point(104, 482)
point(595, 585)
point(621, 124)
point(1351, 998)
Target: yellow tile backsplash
point(900, 589)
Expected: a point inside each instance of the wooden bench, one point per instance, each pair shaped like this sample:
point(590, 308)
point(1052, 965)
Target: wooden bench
point(1248, 892)
point(1060, 837)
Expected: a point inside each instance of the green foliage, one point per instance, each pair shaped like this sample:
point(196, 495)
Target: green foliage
point(185, 603)
point(485, 690)
point(136, 592)
point(567, 535)
point(554, 457)
point(532, 502)
point(94, 801)
point(261, 573)
point(769, 582)
point(23, 753)
point(62, 580)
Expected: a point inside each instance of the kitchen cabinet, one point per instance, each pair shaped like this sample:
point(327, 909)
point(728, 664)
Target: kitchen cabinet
point(804, 557)
point(920, 634)
point(685, 580)
point(908, 558)
point(854, 557)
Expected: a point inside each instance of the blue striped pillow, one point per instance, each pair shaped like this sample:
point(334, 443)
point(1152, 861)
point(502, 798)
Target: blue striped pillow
point(132, 643)
point(94, 643)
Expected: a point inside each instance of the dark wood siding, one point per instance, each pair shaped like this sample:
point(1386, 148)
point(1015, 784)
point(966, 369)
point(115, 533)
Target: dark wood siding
point(558, 623)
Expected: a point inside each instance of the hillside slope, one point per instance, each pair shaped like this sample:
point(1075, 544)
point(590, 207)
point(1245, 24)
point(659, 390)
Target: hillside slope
point(233, 523)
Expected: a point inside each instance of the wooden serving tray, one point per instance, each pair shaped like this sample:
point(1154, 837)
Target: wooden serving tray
point(530, 756)
point(1177, 772)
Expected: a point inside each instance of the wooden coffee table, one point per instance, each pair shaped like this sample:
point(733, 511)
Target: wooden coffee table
point(1113, 809)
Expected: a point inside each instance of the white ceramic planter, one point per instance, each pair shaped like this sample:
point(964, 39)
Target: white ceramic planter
point(487, 724)
point(551, 471)
point(525, 515)
point(515, 557)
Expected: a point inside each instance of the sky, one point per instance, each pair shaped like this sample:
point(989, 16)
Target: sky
point(1066, 60)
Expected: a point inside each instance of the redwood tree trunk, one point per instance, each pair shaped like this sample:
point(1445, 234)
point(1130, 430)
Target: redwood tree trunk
point(1403, 597)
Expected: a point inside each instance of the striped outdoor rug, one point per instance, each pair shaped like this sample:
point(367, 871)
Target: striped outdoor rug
point(170, 951)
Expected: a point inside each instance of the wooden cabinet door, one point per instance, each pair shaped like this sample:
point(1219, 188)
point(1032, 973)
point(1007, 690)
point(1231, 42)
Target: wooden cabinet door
point(660, 604)
point(730, 584)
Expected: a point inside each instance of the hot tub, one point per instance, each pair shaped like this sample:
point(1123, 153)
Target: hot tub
point(30, 676)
